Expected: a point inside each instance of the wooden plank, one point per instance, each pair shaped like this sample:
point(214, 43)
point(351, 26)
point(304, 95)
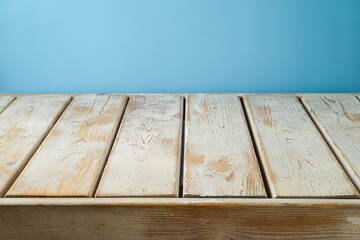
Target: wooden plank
point(24, 125)
point(220, 159)
point(338, 118)
point(296, 159)
point(72, 157)
point(145, 160)
point(178, 219)
point(5, 101)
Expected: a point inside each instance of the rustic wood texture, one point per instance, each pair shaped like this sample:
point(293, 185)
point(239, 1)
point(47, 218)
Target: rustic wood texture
point(178, 219)
point(71, 159)
point(145, 160)
point(220, 159)
point(338, 118)
point(297, 162)
point(23, 126)
point(5, 101)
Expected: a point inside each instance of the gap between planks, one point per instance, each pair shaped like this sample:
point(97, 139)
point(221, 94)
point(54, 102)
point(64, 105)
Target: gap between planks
point(182, 147)
point(111, 145)
point(260, 163)
point(2, 108)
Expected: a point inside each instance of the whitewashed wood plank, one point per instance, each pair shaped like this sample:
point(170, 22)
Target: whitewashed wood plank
point(23, 126)
point(5, 101)
point(145, 160)
point(338, 118)
point(72, 157)
point(220, 160)
point(296, 159)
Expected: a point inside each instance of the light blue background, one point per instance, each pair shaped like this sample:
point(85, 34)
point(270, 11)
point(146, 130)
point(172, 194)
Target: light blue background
point(103, 46)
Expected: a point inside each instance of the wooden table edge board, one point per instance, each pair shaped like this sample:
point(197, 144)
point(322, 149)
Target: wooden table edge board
point(147, 201)
point(159, 218)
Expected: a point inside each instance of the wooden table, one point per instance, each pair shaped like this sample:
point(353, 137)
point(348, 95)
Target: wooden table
point(180, 166)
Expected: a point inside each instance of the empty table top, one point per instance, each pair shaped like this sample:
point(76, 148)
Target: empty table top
point(180, 146)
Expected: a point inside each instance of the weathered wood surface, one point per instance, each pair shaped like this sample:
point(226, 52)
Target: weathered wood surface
point(220, 159)
point(145, 160)
point(219, 156)
point(338, 118)
point(5, 101)
point(178, 219)
point(71, 159)
point(23, 126)
point(296, 159)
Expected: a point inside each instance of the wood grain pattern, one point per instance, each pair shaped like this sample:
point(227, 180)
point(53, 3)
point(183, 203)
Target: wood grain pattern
point(178, 219)
point(145, 160)
point(296, 159)
point(71, 159)
point(5, 101)
point(338, 118)
point(220, 159)
point(24, 125)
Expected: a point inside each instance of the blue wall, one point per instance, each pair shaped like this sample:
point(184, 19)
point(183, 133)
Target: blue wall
point(69, 46)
